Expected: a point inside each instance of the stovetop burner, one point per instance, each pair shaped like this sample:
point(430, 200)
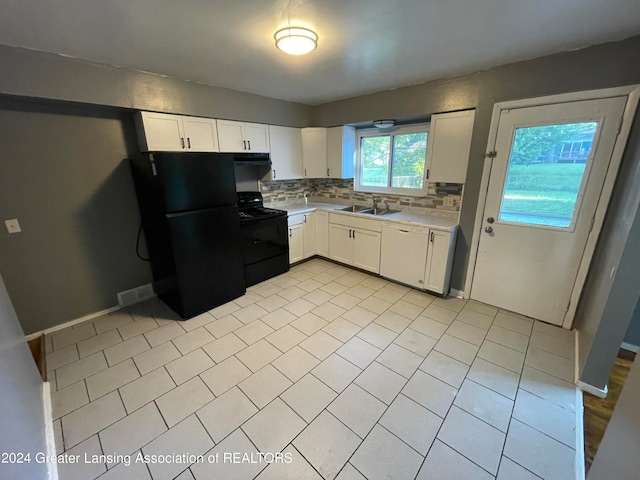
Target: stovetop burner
point(251, 207)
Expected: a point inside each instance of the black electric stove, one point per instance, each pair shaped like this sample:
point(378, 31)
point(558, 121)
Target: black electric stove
point(265, 242)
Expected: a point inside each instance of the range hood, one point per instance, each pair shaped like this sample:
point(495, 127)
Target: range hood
point(259, 159)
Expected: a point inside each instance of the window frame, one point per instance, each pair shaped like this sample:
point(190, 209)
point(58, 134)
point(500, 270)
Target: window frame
point(391, 132)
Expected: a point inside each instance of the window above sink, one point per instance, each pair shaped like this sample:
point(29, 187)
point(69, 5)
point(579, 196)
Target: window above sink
point(392, 160)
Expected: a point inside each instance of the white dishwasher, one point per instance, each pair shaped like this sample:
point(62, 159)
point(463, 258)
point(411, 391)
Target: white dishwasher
point(404, 253)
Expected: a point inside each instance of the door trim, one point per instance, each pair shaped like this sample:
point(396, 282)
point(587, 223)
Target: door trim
point(632, 92)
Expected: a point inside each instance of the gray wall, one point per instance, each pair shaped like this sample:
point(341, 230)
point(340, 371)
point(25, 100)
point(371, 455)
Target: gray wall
point(64, 177)
point(607, 304)
point(22, 418)
point(632, 337)
point(617, 456)
point(607, 65)
point(36, 74)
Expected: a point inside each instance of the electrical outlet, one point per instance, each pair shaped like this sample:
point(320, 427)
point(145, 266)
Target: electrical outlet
point(448, 201)
point(13, 226)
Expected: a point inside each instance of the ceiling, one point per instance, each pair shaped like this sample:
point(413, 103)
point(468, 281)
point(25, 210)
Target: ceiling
point(365, 45)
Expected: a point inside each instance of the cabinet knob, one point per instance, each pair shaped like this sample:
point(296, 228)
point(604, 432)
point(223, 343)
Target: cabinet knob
point(189, 142)
point(274, 174)
point(328, 172)
point(249, 142)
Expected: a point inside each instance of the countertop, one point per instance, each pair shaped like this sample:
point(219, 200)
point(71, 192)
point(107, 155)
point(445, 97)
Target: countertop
point(437, 220)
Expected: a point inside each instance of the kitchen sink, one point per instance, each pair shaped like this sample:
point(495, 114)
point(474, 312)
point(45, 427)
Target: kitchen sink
point(378, 211)
point(352, 208)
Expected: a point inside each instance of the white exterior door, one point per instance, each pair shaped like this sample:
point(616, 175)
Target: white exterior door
point(544, 188)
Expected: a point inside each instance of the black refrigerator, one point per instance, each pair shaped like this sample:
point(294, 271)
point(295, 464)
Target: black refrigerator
point(192, 228)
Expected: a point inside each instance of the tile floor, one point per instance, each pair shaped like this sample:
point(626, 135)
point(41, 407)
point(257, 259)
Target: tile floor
point(349, 375)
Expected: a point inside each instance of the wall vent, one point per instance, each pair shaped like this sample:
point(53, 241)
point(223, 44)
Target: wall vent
point(135, 295)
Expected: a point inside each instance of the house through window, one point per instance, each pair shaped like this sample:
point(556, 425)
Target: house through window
point(392, 162)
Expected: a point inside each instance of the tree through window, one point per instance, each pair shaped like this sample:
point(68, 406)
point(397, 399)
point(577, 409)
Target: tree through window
point(393, 162)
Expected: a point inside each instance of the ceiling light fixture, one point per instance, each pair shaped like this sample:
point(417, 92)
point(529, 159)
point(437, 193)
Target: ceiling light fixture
point(384, 123)
point(296, 40)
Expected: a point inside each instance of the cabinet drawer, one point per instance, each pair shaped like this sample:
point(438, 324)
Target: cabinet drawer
point(356, 222)
point(295, 220)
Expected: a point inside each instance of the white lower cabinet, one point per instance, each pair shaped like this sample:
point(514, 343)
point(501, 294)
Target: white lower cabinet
point(296, 243)
point(418, 256)
point(322, 233)
point(309, 224)
point(340, 244)
point(352, 244)
point(302, 236)
point(366, 250)
point(439, 261)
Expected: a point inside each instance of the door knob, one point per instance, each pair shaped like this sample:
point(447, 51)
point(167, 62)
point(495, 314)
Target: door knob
point(488, 230)
point(490, 220)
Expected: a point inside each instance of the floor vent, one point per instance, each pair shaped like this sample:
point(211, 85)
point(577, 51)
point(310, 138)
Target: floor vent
point(135, 295)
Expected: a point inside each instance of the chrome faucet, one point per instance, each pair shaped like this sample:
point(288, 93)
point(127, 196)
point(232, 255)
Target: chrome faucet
point(386, 205)
point(375, 203)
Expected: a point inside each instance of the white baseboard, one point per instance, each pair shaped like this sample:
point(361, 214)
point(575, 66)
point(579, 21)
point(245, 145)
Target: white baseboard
point(90, 316)
point(580, 468)
point(598, 392)
point(629, 347)
point(49, 433)
point(70, 323)
point(456, 293)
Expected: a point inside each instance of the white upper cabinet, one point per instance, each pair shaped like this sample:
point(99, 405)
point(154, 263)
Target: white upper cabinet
point(341, 150)
point(201, 134)
point(257, 137)
point(314, 152)
point(286, 153)
point(448, 146)
point(243, 137)
point(161, 132)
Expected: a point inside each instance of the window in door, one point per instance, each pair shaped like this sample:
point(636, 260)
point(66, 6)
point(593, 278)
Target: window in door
point(546, 173)
point(392, 162)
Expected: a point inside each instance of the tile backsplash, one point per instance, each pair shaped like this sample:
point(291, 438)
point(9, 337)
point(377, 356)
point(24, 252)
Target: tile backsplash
point(341, 191)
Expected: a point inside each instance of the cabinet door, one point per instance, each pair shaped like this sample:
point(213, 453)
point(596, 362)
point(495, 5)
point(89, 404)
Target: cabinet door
point(448, 146)
point(286, 152)
point(403, 255)
point(230, 136)
point(341, 149)
point(161, 132)
point(322, 233)
point(296, 242)
point(366, 250)
point(437, 269)
point(201, 134)
point(257, 137)
point(340, 244)
point(309, 234)
point(314, 152)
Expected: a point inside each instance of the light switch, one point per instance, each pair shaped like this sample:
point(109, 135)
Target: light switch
point(13, 226)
